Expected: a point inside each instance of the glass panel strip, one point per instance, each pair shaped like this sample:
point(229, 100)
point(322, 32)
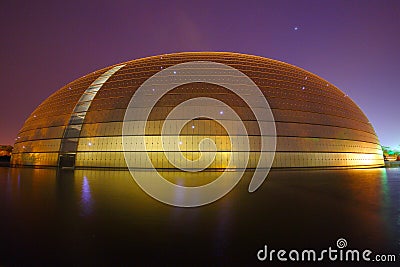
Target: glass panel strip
point(71, 134)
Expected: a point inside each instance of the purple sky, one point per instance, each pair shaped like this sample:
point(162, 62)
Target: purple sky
point(353, 44)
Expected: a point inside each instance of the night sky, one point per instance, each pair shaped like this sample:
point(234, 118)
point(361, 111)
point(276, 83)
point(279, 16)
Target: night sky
point(352, 44)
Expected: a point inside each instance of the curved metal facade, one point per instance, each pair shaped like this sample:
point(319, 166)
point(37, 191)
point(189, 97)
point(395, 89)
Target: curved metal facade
point(80, 125)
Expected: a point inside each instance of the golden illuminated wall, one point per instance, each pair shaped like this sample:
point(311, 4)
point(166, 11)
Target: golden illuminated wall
point(317, 124)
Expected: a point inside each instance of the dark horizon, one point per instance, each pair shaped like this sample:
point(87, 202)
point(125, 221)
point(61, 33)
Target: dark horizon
point(353, 45)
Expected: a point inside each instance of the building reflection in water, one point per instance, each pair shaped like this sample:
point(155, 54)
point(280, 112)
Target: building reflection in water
point(86, 198)
point(84, 211)
point(391, 201)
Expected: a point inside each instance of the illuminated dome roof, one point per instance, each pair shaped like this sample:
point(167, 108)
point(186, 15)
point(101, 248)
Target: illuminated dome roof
point(80, 125)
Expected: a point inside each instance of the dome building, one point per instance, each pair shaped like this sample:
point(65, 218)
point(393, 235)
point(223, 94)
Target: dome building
point(81, 124)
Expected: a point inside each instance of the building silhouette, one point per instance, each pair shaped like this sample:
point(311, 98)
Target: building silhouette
point(80, 125)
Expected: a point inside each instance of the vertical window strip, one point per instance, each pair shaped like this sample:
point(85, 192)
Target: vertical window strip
point(69, 142)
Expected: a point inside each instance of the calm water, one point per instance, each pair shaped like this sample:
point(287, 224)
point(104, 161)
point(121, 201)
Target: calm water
point(99, 217)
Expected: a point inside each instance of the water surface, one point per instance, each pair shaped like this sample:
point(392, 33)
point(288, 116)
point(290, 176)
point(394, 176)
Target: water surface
point(98, 217)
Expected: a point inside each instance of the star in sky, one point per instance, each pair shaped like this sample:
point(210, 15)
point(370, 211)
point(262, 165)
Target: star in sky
point(296, 28)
